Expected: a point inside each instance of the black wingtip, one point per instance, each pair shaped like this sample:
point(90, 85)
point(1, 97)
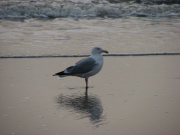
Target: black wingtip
point(55, 74)
point(59, 73)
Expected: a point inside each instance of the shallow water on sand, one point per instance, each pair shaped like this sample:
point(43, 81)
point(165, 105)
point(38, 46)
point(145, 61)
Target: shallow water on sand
point(71, 36)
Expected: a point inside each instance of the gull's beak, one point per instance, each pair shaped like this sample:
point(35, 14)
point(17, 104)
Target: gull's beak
point(104, 51)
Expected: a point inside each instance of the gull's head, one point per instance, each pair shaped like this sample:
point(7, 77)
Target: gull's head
point(98, 50)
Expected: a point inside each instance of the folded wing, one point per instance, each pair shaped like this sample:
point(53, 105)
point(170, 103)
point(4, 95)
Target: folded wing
point(81, 67)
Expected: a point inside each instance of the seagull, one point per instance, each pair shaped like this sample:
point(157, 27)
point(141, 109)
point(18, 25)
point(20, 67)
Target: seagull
point(86, 67)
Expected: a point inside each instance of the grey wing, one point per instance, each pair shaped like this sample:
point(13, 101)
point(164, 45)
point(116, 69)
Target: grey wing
point(82, 66)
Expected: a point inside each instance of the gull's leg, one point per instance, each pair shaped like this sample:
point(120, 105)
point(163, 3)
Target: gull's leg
point(86, 79)
point(86, 92)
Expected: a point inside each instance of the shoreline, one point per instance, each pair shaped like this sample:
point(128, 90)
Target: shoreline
point(85, 55)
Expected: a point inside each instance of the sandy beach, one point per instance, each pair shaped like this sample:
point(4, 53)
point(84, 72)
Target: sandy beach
point(131, 95)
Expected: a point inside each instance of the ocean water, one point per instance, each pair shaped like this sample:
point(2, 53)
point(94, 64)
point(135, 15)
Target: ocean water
point(86, 8)
point(63, 27)
point(69, 36)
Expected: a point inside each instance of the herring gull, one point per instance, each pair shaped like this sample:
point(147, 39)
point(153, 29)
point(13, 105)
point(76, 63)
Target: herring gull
point(86, 67)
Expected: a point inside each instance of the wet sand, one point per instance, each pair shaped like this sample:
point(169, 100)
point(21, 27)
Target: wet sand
point(131, 95)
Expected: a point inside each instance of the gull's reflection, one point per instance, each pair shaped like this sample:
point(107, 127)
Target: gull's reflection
point(86, 105)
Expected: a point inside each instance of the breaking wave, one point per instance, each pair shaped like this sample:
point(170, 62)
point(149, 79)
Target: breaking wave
point(111, 9)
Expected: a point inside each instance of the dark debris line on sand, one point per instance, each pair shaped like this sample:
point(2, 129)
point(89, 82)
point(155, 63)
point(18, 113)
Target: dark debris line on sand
point(84, 55)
